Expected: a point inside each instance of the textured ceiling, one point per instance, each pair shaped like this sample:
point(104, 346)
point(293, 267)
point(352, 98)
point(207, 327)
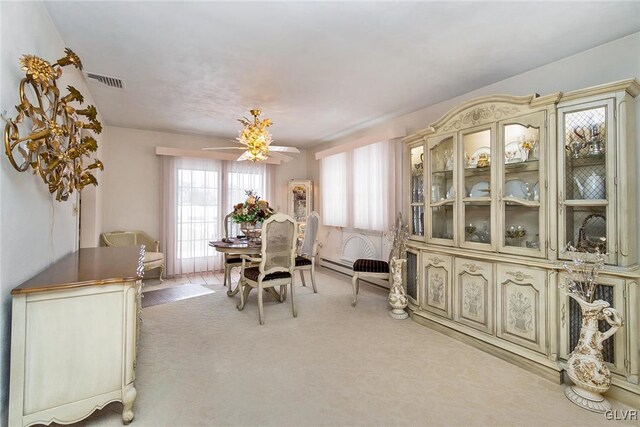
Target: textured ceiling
point(316, 69)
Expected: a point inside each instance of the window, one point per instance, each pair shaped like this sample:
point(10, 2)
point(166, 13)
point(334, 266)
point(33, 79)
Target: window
point(334, 190)
point(358, 187)
point(371, 187)
point(197, 209)
point(197, 195)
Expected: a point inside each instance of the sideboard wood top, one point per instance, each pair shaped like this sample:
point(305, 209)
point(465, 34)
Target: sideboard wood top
point(88, 267)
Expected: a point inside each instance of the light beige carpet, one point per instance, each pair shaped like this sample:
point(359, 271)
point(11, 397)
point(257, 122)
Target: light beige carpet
point(203, 363)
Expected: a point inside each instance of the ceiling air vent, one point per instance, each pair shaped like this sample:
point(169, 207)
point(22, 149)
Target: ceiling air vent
point(106, 80)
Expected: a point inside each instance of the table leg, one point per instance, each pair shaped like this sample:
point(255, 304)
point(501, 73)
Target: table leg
point(230, 292)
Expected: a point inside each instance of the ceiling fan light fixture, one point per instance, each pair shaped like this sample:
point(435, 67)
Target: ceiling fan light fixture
point(256, 137)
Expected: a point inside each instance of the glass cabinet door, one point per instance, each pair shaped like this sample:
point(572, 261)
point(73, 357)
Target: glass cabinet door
point(587, 167)
point(442, 188)
point(417, 191)
point(522, 228)
point(476, 183)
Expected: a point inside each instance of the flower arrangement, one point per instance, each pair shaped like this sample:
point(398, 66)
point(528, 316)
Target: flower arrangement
point(582, 275)
point(398, 235)
point(253, 210)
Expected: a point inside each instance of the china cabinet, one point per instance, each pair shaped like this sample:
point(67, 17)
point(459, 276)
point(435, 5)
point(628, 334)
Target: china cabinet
point(496, 189)
point(300, 203)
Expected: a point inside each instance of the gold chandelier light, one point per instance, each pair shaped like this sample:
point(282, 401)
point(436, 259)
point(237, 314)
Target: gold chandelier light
point(255, 137)
point(255, 140)
point(52, 145)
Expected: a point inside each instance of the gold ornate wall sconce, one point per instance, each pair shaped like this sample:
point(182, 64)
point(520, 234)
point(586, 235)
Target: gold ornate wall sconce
point(46, 133)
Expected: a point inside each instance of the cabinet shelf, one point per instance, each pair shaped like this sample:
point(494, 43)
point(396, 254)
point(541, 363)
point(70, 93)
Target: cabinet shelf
point(586, 202)
point(442, 203)
point(477, 171)
point(477, 200)
point(585, 161)
point(519, 167)
point(516, 201)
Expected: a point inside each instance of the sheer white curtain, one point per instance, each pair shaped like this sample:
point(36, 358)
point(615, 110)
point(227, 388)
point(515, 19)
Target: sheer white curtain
point(333, 188)
point(243, 176)
point(358, 187)
point(197, 194)
point(372, 186)
point(192, 214)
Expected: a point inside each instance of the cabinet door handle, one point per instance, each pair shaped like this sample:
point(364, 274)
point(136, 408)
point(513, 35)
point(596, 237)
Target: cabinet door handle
point(560, 203)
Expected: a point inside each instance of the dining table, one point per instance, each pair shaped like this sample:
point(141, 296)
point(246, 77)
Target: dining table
point(243, 246)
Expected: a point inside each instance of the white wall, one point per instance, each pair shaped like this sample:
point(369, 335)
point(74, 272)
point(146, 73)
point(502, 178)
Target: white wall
point(609, 62)
point(35, 230)
point(132, 184)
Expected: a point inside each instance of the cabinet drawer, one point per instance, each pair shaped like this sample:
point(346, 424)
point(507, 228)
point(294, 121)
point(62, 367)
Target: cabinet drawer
point(473, 294)
point(521, 306)
point(436, 284)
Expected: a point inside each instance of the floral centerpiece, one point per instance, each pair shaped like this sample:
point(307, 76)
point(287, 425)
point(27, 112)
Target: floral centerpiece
point(586, 366)
point(251, 213)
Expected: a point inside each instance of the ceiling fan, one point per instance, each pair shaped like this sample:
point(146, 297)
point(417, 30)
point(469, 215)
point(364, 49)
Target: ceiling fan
point(256, 141)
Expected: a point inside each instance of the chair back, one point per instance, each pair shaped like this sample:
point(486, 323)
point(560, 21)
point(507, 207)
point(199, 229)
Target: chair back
point(278, 244)
point(120, 238)
point(231, 228)
point(310, 241)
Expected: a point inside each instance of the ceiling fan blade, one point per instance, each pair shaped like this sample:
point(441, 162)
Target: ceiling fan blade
point(224, 148)
point(283, 149)
point(279, 156)
point(244, 156)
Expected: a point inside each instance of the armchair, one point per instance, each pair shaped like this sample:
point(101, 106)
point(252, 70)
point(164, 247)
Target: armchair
point(153, 258)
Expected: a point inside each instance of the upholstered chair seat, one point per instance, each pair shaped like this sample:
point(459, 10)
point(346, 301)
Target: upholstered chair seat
point(252, 273)
point(301, 261)
point(371, 266)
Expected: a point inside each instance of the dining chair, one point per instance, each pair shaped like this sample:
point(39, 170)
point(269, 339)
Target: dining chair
point(374, 268)
point(306, 259)
point(230, 260)
point(275, 265)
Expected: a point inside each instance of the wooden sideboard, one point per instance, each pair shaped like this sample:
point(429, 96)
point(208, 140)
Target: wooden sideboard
point(73, 337)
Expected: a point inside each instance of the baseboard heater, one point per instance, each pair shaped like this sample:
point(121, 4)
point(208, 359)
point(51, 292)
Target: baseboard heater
point(347, 270)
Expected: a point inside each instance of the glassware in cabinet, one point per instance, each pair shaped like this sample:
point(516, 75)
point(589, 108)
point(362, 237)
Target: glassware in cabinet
point(417, 190)
point(587, 196)
point(477, 183)
point(442, 185)
point(522, 177)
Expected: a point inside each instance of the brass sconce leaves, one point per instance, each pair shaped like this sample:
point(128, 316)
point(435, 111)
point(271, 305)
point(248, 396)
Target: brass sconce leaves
point(53, 146)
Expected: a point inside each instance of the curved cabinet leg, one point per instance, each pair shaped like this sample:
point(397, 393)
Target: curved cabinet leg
point(161, 272)
point(354, 284)
point(129, 394)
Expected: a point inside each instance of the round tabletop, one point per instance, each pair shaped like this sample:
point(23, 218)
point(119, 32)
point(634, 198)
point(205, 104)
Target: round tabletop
point(236, 246)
